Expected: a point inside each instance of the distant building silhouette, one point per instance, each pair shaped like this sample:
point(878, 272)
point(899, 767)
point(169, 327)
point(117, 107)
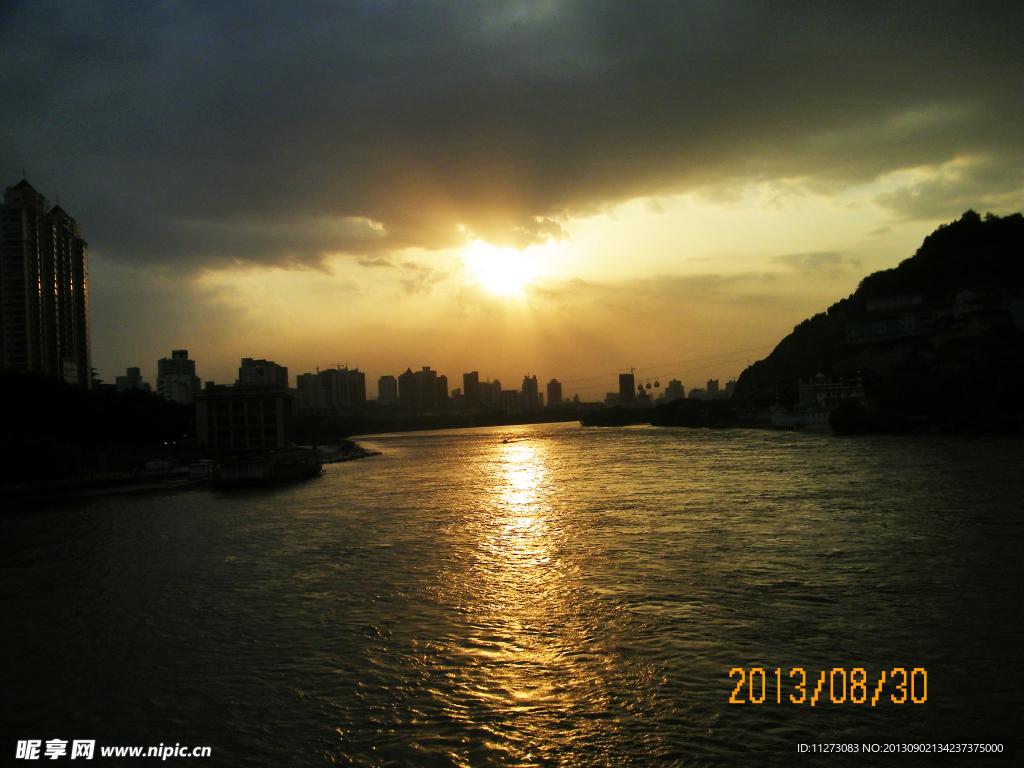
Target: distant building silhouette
point(387, 390)
point(627, 388)
point(471, 389)
point(442, 393)
point(426, 380)
point(344, 388)
point(309, 392)
point(176, 378)
point(530, 401)
point(44, 289)
point(554, 393)
point(262, 373)
point(674, 391)
point(409, 391)
point(511, 402)
point(131, 380)
point(712, 388)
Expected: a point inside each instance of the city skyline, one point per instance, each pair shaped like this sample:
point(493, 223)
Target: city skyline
point(540, 187)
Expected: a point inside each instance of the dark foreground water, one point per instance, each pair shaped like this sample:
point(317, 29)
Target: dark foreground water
point(536, 596)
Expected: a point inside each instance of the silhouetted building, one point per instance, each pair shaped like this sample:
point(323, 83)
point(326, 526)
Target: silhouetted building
point(309, 392)
point(176, 377)
point(408, 391)
point(344, 388)
point(426, 380)
point(712, 388)
point(131, 380)
point(674, 391)
point(44, 289)
point(442, 393)
point(262, 373)
point(627, 388)
point(471, 389)
point(529, 400)
point(554, 393)
point(511, 402)
point(238, 419)
point(387, 390)
point(730, 387)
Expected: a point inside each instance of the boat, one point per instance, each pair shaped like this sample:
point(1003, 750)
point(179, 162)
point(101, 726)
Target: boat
point(266, 468)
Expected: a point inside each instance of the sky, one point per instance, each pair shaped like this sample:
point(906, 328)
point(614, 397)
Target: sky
point(560, 189)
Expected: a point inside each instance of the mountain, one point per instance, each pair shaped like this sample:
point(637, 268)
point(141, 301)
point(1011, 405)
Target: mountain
point(940, 336)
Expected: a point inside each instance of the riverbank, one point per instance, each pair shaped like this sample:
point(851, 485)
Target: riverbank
point(172, 476)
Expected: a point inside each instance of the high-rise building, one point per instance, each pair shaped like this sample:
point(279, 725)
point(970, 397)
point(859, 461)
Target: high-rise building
point(408, 391)
point(712, 388)
point(309, 392)
point(427, 381)
point(554, 393)
point(674, 391)
point(387, 390)
point(442, 393)
point(131, 380)
point(471, 389)
point(627, 388)
point(530, 400)
point(176, 377)
point(344, 388)
point(262, 373)
point(44, 289)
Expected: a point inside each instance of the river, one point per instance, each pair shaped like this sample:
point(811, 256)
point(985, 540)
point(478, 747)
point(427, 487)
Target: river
point(537, 595)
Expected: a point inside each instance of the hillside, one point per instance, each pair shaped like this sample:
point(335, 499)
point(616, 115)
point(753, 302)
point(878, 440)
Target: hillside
point(943, 327)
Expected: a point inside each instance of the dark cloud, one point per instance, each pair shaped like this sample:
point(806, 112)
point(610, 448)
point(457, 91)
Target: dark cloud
point(193, 134)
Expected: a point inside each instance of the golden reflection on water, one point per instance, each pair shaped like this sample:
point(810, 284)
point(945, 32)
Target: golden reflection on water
point(529, 659)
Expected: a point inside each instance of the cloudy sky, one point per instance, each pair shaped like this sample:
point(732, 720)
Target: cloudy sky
point(565, 189)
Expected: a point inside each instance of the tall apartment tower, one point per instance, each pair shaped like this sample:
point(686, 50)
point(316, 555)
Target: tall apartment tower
point(530, 401)
point(44, 289)
point(554, 393)
point(176, 377)
point(627, 388)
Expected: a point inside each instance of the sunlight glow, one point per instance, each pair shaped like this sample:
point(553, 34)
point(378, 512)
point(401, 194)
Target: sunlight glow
point(502, 271)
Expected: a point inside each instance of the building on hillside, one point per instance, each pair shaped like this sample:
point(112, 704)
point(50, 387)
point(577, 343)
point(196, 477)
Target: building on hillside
point(131, 380)
point(176, 378)
point(44, 289)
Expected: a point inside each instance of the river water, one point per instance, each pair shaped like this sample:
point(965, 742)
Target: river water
point(536, 595)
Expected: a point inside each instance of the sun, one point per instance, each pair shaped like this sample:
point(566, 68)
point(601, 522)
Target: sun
point(502, 271)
